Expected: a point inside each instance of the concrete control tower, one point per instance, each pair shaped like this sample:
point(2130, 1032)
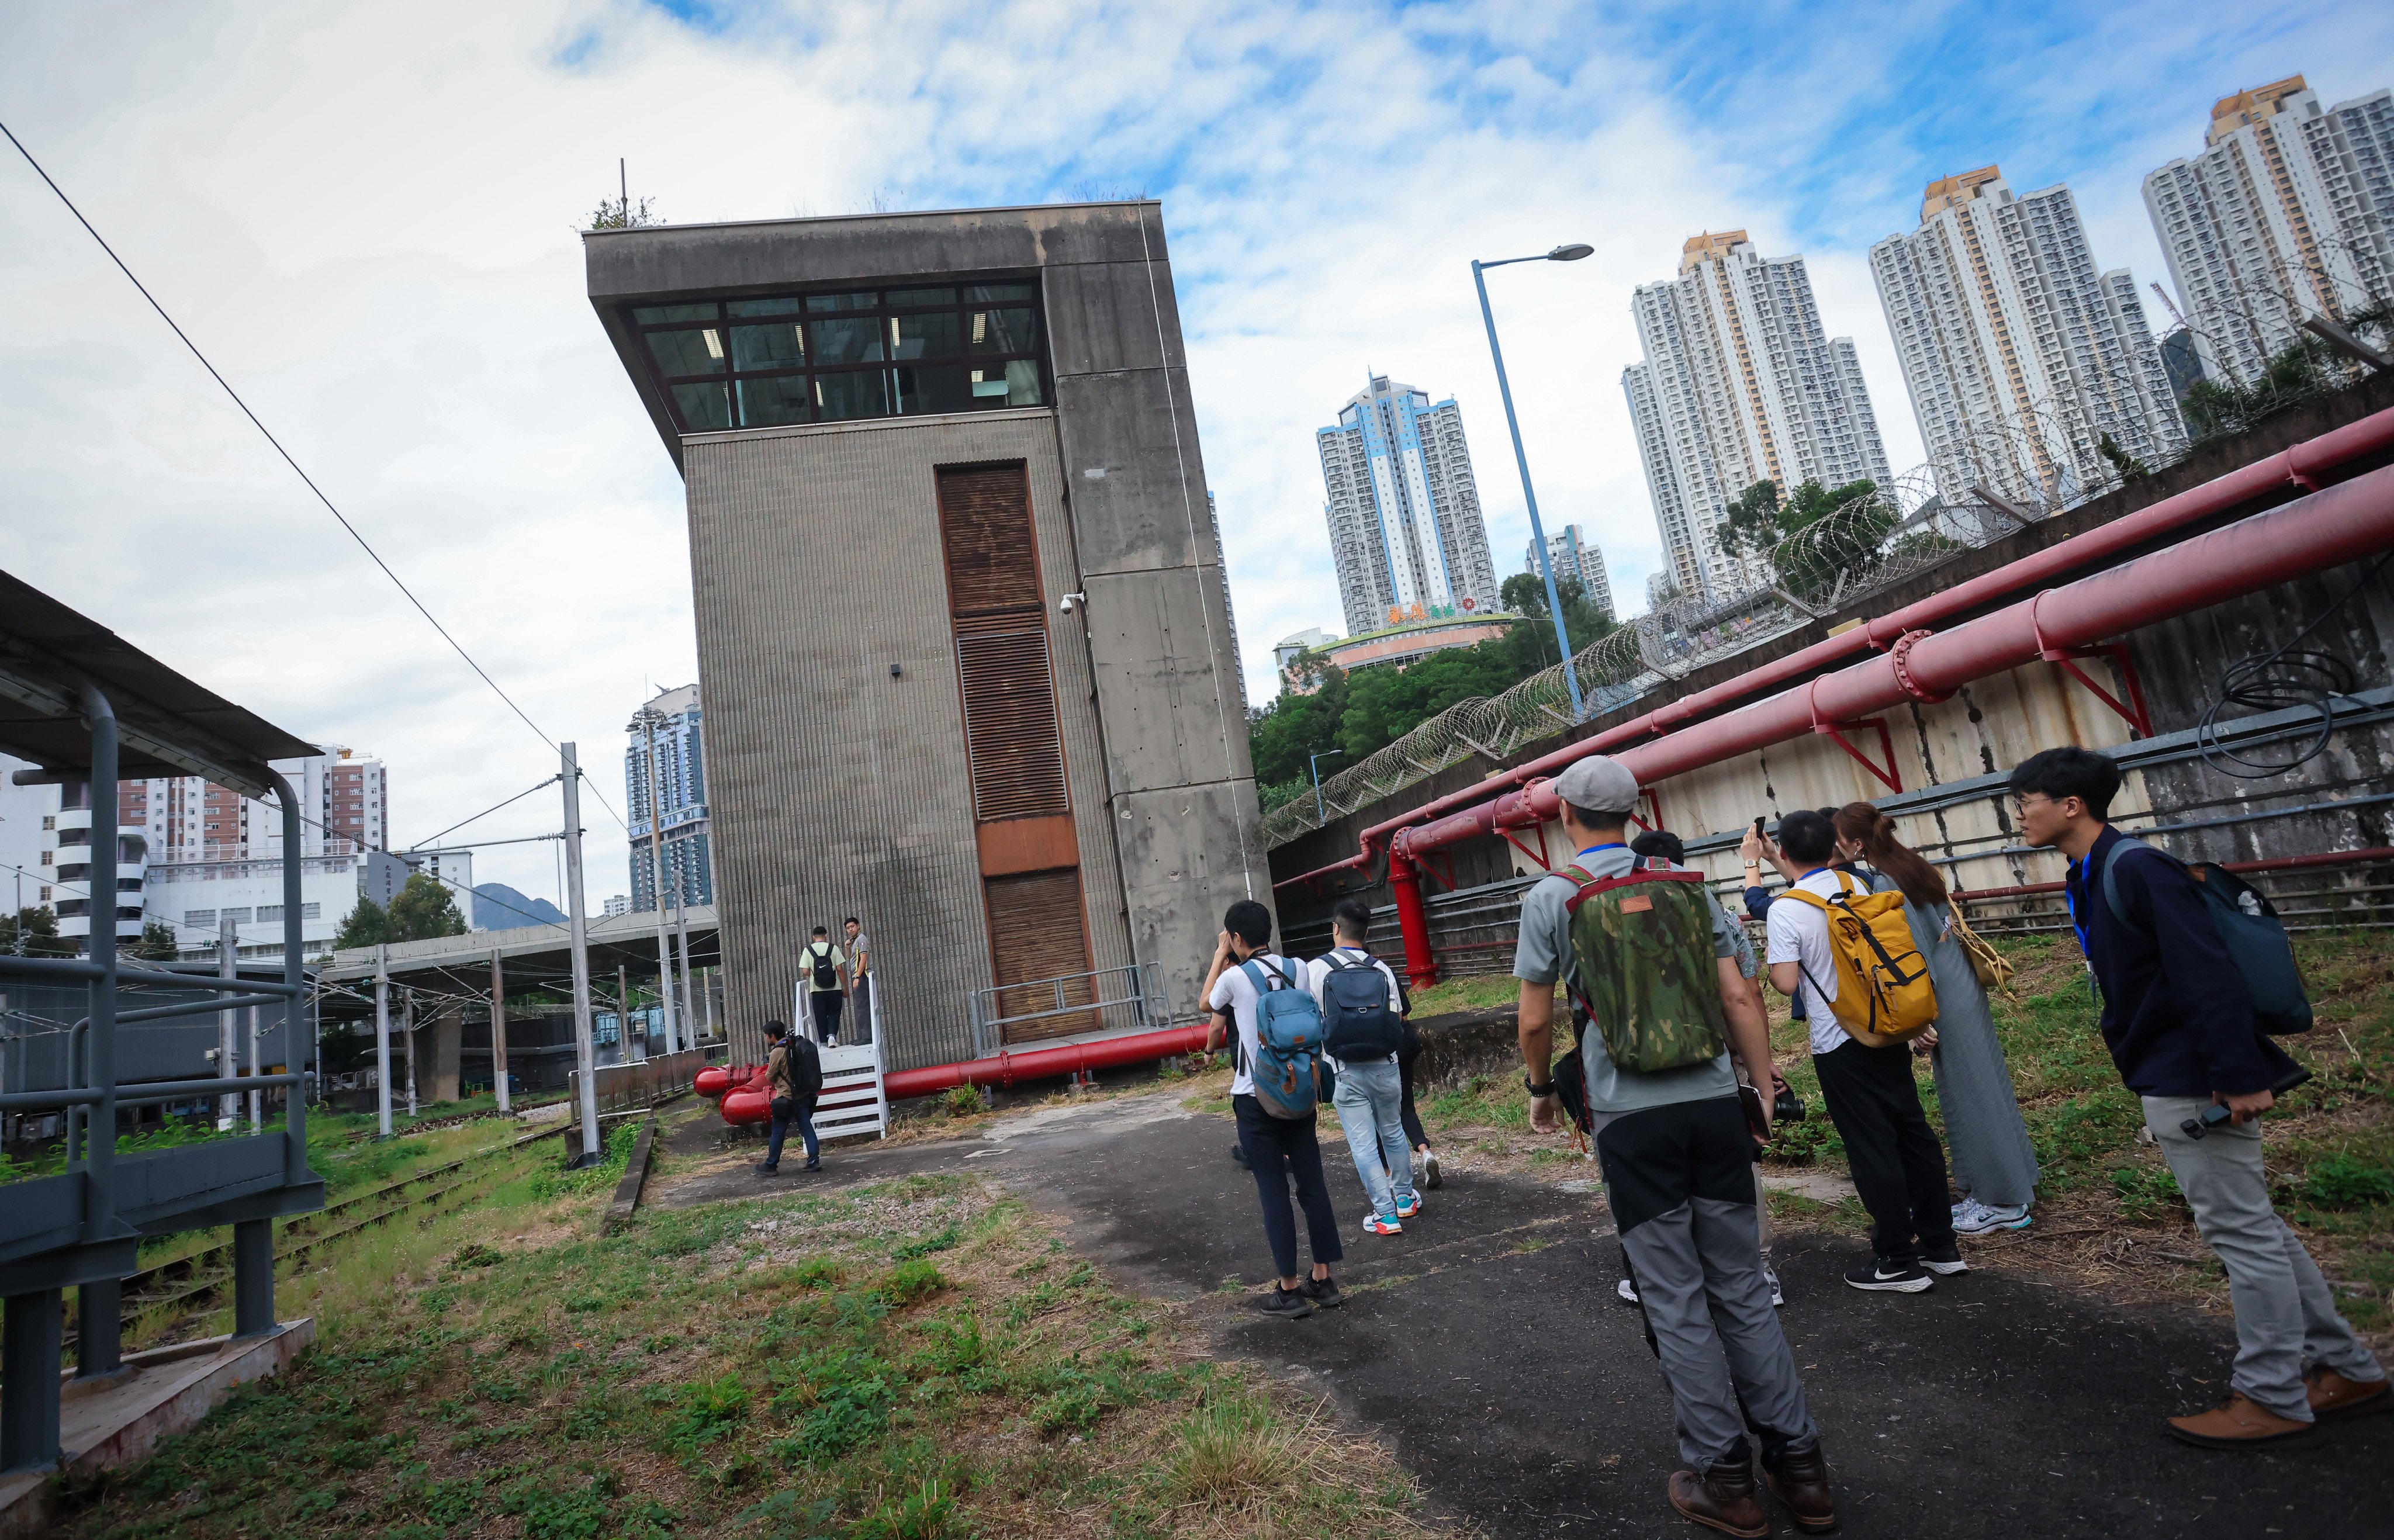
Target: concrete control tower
point(960, 613)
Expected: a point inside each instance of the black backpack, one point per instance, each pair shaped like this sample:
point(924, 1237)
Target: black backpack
point(1359, 1022)
point(826, 977)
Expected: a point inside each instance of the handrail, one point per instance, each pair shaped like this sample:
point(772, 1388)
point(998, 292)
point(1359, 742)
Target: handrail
point(142, 1091)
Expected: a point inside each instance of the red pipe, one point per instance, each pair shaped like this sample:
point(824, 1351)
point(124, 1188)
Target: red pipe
point(2275, 863)
point(2306, 465)
point(1421, 962)
point(1045, 1064)
point(2324, 530)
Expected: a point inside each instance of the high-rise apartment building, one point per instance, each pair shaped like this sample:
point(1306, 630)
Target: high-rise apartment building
point(2287, 213)
point(1572, 554)
point(682, 789)
point(357, 800)
point(1738, 385)
point(1405, 526)
point(2020, 354)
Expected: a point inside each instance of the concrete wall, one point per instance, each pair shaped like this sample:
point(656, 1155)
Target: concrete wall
point(814, 796)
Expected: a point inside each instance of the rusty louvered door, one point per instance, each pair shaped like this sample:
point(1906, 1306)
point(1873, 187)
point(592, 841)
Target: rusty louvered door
point(1030, 859)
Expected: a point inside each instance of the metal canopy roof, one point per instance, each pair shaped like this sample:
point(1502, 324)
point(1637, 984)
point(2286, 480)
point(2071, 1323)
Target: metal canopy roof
point(169, 725)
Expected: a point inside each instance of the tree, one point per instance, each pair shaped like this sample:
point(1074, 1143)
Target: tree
point(156, 945)
point(37, 929)
point(368, 925)
point(2128, 466)
point(1760, 524)
point(420, 912)
point(623, 213)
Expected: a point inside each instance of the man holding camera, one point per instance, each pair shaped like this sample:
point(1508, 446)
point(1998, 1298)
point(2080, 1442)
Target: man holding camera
point(1676, 1143)
point(2180, 1025)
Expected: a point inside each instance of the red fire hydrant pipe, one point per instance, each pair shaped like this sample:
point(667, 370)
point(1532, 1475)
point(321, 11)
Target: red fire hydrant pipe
point(1413, 921)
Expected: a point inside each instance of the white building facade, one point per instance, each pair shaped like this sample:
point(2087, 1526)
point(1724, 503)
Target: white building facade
point(2020, 354)
point(2287, 213)
point(1740, 384)
point(1572, 554)
point(1403, 509)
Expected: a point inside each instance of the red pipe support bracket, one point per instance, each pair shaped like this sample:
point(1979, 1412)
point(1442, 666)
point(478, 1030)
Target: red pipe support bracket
point(2306, 465)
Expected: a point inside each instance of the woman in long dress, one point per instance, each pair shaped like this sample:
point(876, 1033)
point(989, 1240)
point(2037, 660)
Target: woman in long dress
point(1993, 1164)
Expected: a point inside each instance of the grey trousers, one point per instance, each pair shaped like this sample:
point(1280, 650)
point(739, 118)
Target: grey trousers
point(1698, 1271)
point(2286, 1319)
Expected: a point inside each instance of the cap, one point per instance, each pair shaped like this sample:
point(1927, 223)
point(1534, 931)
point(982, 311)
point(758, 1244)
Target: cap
point(1599, 784)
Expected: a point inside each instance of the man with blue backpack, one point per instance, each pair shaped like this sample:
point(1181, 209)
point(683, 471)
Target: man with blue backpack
point(2194, 973)
point(1274, 1090)
point(1362, 1031)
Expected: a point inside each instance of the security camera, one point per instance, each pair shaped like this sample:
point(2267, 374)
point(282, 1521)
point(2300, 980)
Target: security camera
point(1070, 601)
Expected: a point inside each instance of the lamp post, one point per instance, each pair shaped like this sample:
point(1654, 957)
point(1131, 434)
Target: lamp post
point(647, 720)
point(1320, 817)
point(1572, 253)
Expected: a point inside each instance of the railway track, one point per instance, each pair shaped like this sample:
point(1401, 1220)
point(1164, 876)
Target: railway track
point(192, 1283)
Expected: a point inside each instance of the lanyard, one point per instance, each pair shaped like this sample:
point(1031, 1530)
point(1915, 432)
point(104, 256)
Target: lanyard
point(1614, 845)
point(2085, 872)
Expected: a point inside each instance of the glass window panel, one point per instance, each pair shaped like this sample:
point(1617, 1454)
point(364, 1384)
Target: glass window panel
point(822, 302)
point(935, 387)
point(1022, 384)
point(786, 304)
point(768, 346)
point(855, 393)
point(704, 408)
point(648, 315)
point(933, 334)
point(857, 341)
point(999, 331)
point(781, 399)
point(688, 352)
point(979, 293)
point(907, 299)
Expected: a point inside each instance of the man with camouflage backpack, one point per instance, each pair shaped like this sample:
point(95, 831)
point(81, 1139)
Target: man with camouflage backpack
point(1653, 979)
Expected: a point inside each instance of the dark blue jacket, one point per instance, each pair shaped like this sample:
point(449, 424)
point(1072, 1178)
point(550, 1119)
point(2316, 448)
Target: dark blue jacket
point(2176, 1015)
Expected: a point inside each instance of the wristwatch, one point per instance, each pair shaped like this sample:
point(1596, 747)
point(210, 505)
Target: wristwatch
point(1547, 1089)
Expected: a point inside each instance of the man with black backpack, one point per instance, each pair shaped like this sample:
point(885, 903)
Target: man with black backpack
point(2191, 981)
point(1275, 1091)
point(1362, 1028)
point(822, 968)
point(1654, 975)
point(793, 1080)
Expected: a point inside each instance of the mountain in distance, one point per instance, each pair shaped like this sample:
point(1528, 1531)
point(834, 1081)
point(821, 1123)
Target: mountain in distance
point(500, 907)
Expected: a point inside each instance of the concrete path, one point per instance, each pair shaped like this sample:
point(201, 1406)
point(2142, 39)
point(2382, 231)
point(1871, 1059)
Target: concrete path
point(1486, 1346)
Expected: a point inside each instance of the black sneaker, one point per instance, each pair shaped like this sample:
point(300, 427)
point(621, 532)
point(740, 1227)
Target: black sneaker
point(1239, 1154)
point(1945, 1260)
point(1291, 1304)
point(812, 1165)
point(764, 1170)
point(1879, 1276)
point(1323, 1292)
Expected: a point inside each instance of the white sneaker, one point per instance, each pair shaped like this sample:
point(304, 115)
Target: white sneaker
point(1628, 1291)
point(1771, 1276)
point(1964, 1212)
point(1984, 1220)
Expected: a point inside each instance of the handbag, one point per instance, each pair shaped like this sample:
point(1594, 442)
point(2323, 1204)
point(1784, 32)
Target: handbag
point(1993, 968)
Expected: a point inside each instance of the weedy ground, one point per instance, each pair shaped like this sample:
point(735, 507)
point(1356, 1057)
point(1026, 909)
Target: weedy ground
point(920, 1360)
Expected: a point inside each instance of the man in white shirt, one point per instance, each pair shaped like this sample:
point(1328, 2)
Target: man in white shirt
point(1898, 1165)
point(1370, 1096)
point(1276, 1148)
point(820, 987)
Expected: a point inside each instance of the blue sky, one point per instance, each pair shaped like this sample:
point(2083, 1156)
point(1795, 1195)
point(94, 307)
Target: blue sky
point(367, 214)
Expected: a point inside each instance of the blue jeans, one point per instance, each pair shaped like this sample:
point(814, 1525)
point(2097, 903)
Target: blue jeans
point(1370, 1101)
point(785, 1112)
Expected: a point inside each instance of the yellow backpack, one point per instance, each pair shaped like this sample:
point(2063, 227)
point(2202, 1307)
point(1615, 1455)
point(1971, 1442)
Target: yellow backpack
point(1884, 994)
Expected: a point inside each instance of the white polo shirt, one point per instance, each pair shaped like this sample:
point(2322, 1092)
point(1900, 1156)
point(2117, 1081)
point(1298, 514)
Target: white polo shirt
point(1318, 970)
point(1796, 932)
point(1235, 992)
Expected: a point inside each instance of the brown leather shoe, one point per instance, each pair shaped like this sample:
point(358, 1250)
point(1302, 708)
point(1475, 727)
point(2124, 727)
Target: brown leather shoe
point(2331, 1395)
point(1800, 1482)
point(2240, 1423)
point(1721, 1498)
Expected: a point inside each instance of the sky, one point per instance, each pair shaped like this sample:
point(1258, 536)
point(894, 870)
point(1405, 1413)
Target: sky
point(367, 217)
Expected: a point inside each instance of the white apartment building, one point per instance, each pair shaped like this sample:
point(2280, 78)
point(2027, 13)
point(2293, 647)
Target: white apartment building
point(1740, 384)
point(1572, 554)
point(1403, 509)
point(2287, 213)
point(196, 897)
point(2018, 353)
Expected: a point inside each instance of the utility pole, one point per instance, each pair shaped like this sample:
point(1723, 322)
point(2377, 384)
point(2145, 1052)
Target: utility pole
point(382, 1039)
point(256, 1094)
point(681, 944)
point(228, 951)
point(407, 1026)
point(647, 720)
point(623, 1013)
point(579, 930)
point(498, 1033)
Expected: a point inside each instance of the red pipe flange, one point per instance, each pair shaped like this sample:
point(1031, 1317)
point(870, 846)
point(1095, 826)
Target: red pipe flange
point(1897, 654)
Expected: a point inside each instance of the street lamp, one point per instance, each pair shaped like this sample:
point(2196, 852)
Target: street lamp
point(1319, 817)
point(647, 720)
point(1571, 252)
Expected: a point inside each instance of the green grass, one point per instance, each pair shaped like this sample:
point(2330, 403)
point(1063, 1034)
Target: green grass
point(762, 1368)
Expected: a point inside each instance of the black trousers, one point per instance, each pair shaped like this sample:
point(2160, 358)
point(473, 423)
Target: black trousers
point(1414, 1134)
point(1278, 1149)
point(1899, 1167)
point(826, 1004)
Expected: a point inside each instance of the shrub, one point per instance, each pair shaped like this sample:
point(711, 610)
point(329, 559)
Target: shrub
point(1230, 1453)
point(2341, 1181)
point(928, 1512)
point(911, 1281)
point(964, 1101)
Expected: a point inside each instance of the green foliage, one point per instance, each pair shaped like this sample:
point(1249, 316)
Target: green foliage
point(2145, 1192)
point(928, 1512)
point(2341, 1181)
point(1759, 523)
point(943, 1238)
point(913, 1279)
point(37, 929)
point(420, 912)
point(2220, 409)
point(2128, 466)
point(964, 1101)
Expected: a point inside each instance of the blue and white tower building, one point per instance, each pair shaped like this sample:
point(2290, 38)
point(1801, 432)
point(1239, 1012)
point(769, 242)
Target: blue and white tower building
point(1403, 509)
point(682, 789)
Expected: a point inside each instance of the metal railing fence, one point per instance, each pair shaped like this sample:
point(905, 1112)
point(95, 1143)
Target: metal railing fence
point(1129, 999)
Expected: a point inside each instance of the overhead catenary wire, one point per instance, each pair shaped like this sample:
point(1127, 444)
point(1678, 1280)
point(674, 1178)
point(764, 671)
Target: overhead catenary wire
point(297, 469)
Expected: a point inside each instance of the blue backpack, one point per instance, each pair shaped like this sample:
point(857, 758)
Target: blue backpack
point(1359, 1023)
point(1288, 1036)
point(2249, 925)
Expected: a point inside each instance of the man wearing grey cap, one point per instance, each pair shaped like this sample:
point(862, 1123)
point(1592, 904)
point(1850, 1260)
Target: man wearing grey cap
point(1674, 1143)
